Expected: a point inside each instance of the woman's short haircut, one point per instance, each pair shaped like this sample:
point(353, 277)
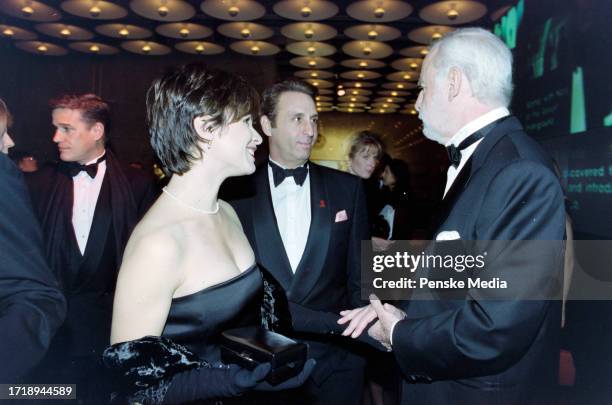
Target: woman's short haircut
point(185, 93)
point(93, 109)
point(272, 94)
point(6, 119)
point(366, 140)
point(482, 57)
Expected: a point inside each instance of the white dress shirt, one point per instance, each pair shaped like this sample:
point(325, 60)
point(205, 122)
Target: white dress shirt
point(86, 192)
point(463, 133)
point(292, 209)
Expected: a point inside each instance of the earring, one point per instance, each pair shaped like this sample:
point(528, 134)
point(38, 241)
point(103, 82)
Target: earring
point(208, 143)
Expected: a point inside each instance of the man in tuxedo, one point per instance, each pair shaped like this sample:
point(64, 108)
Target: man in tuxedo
point(305, 223)
point(478, 348)
point(87, 205)
point(32, 306)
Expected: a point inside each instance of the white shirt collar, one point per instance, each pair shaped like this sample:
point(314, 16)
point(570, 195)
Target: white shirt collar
point(283, 166)
point(96, 159)
point(480, 122)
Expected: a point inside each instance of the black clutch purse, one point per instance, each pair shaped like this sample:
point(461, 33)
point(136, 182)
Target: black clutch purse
point(252, 345)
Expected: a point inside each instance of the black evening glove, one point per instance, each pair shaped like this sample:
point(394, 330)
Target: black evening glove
point(293, 382)
point(216, 382)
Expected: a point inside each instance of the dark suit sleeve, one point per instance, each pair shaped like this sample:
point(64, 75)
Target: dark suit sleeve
point(359, 233)
point(486, 336)
point(310, 321)
point(31, 304)
point(148, 193)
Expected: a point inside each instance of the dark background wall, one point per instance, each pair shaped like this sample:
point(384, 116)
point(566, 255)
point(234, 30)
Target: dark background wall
point(28, 82)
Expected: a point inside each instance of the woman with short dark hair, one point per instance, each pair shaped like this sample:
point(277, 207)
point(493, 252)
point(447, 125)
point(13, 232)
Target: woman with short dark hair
point(188, 271)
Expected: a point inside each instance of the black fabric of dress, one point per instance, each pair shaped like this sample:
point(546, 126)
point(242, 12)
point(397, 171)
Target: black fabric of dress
point(197, 320)
point(145, 368)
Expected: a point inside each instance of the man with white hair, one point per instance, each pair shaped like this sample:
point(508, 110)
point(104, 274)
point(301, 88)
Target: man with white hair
point(500, 187)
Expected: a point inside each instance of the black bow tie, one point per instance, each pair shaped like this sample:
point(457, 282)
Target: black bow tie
point(74, 168)
point(454, 152)
point(279, 174)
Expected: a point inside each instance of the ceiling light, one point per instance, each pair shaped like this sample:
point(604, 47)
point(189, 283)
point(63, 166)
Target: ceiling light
point(65, 32)
point(255, 49)
point(233, 11)
point(311, 50)
point(413, 112)
point(42, 48)
point(245, 33)
point(385, 105)
point(124, 32)
point(452, 14)
point(341, 92)
point(363, 64)
point(424, 51)
point(360, 75)
point(353, 98)
point(372, 34)
point(413, 65)
point(436, 35)
point(400, 86)
point(95, 11)
point(8, 32)
point(305, 11)
point(184, 32)
point(314, 74)
point(355, 92)
point(394, 93)
point(309, 33)
point(367, 50)
point(350, 110)
point(379, 12)
point(407, 77)
point(199, 48)
point(315, 83)
point(389, 100)
point(94, 48)
point(312, 63)
point(357, 84)
point(163, 11)
point(27, 11)
point(146, 48)
point(317, 98)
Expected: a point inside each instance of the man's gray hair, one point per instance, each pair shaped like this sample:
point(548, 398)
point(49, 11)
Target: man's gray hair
point(482, 57)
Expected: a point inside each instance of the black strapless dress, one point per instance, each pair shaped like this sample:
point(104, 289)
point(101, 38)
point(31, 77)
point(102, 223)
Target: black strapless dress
point(197, 320)
point(144, 368)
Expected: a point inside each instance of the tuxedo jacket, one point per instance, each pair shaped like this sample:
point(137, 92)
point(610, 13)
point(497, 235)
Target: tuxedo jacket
point(88, 279)
point(327, 279)
point(32, 306)
point(475, 350)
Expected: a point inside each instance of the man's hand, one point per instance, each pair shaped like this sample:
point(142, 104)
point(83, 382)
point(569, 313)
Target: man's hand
point(388, 316)
point(359, 319)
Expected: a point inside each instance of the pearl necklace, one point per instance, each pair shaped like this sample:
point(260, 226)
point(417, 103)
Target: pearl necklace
point(191, 207)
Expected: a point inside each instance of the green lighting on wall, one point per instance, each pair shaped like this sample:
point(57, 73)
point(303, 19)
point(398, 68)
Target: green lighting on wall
point(507, 28)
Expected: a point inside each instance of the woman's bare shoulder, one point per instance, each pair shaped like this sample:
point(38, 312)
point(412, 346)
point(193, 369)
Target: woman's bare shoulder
point(155, 248)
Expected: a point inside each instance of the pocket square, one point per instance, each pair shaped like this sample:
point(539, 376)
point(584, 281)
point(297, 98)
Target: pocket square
point(341, 216)
point(448, 235)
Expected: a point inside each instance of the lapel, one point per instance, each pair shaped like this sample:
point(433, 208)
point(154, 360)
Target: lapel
point(312, 262)
point(98, 233)
point(492, 134)
point(270, 248)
